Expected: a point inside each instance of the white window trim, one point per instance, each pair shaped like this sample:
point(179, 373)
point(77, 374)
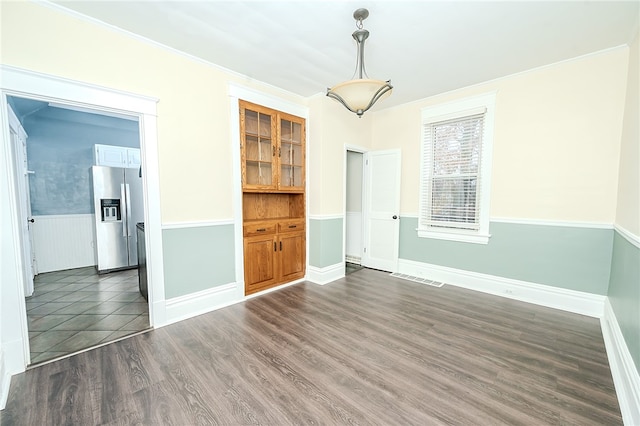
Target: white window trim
point(462, 108)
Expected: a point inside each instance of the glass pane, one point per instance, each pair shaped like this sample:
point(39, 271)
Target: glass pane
point(252, 151)
point(291, 154)
point(285, 176)
point(297, 132)
point(252, 173)
point(265, 174)
point(266, 153)
point(285, 130)
point(456, 147)
point(454, 200)
point(296, 176)
point(296, 155)
point(251, 122)
point(265, 125)
point(285, 153)
point(290, 175)
point(258, 173)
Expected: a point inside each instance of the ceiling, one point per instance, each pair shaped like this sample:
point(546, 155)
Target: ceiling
point(424, 47)
point(32, 113)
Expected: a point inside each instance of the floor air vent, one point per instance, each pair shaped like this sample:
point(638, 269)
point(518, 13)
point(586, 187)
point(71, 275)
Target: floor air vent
point(417, 279)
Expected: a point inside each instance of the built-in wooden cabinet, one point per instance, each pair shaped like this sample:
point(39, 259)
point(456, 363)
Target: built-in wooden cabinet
point(273, 184)
point(273, 258)
point(273, 153)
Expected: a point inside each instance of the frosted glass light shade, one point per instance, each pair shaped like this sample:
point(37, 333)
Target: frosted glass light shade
point(360, 94)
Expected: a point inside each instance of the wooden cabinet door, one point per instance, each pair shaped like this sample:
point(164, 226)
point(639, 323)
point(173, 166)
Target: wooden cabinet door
point(292, 255)
point(258, 142)
point(291, 152)
point(260, 266)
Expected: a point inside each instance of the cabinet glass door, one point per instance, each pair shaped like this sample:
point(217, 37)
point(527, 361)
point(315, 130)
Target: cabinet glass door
point(291, 154)
point(259, 148)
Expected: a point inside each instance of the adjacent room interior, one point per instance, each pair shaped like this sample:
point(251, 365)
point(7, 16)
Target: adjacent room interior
point(70, 307)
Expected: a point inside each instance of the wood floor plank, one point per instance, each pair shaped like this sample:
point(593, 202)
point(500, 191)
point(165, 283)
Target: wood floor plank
point(366, 349)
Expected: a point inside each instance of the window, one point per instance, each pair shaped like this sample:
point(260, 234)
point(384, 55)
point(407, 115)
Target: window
point(455, 177)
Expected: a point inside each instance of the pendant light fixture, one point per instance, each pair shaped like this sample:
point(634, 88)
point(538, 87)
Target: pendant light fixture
point(360, 93)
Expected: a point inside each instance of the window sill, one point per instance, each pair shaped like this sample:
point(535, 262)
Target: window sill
point(463, 237)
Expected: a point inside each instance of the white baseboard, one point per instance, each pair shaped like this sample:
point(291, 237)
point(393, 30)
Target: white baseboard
point(12, 361)
point(201, 302)
point(158, 313)
point(553, 297)
point(5, 381)
point(272, 289)
point(325, 275)
point(624, 372)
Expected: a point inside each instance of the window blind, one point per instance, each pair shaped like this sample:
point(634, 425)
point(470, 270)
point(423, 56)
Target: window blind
point(452, 157)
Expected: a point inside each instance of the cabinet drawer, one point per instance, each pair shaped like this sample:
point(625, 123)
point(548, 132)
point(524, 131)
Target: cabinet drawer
point(291, 226)
point(259, 229)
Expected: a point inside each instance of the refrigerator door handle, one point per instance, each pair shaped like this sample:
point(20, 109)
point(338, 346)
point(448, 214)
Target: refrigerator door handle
point(123, 204)
point(128, 207)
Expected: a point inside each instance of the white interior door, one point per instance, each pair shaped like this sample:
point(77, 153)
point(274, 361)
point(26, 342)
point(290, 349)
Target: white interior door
point(381, 210)
point(19, 148)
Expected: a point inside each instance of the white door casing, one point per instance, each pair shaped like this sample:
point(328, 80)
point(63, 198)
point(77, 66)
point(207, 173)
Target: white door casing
point(19, 148)
point(381, 210)
point(33, 85)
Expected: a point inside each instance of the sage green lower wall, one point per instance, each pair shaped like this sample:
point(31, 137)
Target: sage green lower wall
point(197, 258)
point(573, 258)
point(624, 292)
point(325, 242)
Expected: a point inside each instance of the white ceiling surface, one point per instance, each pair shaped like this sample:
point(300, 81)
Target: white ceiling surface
point(424, 47)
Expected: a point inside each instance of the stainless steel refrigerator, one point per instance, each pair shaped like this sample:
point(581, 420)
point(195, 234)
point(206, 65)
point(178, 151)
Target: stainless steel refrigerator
point(119, 205)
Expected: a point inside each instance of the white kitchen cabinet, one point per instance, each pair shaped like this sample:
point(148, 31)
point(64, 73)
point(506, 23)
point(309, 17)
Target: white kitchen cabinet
point(133, 157)
point(117, 156)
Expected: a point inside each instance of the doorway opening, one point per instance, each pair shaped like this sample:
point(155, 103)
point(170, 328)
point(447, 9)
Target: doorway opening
point(353, 214)
point(69, 307)
point(372, 209)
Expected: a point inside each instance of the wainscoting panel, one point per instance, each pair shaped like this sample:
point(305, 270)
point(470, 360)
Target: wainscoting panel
point(196, 259)
point(325, 241)
point(63, 242)
point(354, 236)
point(569, 257)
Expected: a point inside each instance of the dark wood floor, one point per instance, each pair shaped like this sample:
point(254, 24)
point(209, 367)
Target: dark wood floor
point(367, 349)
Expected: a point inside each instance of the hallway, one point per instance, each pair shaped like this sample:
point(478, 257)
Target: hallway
point(76, 309)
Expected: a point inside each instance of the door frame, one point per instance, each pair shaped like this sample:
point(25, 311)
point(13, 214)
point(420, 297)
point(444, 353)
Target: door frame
point(24, 207)
point(82, 96)
point(363, 151)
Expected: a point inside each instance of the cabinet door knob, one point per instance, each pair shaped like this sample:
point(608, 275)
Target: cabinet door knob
point(395, 216)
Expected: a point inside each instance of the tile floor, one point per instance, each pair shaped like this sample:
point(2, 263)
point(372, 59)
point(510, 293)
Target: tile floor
point(75, 309)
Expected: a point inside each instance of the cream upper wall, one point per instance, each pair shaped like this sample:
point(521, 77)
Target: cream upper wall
point(331, 128)
point(194, 138)
point(572, 109)
point(556, 145)
point(628, 208)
